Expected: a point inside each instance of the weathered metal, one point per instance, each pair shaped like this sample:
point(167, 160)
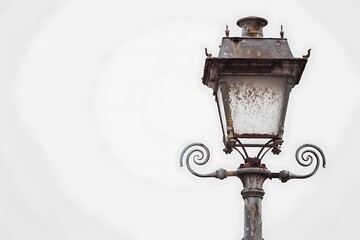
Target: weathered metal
point(252, 58)
point(253, 179)
point(305, 155)
point(200, 155)
point(253, 174)
point(246, 60)
point(252, 26)
point(236, 144)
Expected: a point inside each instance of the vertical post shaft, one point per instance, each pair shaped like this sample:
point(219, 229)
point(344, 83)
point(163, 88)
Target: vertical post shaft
point(253, 179)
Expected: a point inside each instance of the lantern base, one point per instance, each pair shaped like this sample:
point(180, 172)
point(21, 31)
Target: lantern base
point(235, 144)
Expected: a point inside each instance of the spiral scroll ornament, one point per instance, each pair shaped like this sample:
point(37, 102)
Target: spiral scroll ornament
point(305, 155)
point(200, 155)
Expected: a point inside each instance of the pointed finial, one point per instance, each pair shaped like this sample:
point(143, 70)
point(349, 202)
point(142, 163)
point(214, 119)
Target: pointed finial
point(227, 31)
point(281, 32)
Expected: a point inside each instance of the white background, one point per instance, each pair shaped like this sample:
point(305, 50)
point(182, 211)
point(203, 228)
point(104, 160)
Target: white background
point(98, 98)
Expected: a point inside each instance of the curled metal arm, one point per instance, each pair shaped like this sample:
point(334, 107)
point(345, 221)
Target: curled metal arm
point(305, 156)
point(200, 155)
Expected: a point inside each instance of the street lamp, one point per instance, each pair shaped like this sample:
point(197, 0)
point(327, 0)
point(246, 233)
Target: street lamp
point(251, 80)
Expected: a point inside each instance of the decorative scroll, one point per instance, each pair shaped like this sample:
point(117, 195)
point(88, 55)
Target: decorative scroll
point(305, 156)
point(200, 155)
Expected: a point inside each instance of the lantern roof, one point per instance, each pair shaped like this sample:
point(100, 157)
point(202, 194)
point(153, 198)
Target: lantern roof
point(244, 47)
point(253, 54)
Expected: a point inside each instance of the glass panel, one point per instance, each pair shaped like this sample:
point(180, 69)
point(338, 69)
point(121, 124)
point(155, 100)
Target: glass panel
point(256, 104)
point(220, 103)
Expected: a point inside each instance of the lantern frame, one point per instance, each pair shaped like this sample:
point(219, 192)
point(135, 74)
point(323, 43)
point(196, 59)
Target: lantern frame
point(257, 58)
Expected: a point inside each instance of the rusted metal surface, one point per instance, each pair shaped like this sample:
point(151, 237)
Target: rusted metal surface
point(253, 175)
point(200, 155)
point(238, 47)
point(252, 57)
point(237, 145)
point(216, 68)
point(240, 59)
point(305, 156)
point(253, 179)
point(252, 26)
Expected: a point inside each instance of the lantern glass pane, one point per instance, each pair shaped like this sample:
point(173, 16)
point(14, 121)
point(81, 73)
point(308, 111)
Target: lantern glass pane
point(220, 103)
point(256, 104)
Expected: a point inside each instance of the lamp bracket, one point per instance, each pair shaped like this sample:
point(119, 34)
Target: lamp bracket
point(200, 155)
point(304, 155)
point(235, 144)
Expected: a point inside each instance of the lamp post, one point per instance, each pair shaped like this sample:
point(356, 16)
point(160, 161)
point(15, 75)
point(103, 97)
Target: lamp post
point(251, 80)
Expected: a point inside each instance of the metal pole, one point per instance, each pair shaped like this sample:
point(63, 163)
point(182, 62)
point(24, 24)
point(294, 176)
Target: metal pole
point(253, 179)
